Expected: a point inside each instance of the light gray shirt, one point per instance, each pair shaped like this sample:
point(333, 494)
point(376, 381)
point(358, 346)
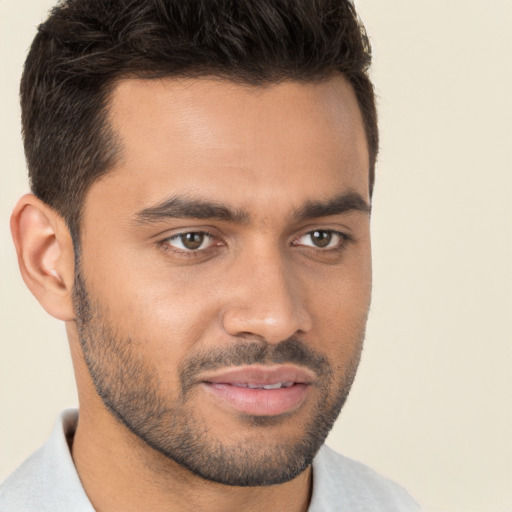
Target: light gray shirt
point(48, 482)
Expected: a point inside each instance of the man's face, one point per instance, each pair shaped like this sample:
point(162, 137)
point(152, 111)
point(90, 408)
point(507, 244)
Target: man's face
point(225, 271)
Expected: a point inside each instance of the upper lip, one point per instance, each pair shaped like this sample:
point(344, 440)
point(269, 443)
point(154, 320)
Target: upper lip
point(261, 374)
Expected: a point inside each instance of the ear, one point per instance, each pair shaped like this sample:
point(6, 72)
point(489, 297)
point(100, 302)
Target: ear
point(45, 255)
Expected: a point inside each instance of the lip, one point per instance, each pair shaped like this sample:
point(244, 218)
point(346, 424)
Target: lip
point(228, 387)
point(261, 374)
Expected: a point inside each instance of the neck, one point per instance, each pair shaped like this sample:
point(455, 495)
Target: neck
point(120, 472)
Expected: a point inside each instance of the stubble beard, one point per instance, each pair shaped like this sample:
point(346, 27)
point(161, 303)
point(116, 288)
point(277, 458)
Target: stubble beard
point(130, 388)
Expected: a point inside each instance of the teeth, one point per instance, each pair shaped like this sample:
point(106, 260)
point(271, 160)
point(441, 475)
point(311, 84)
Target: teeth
point(273, 386)
point(277, 385)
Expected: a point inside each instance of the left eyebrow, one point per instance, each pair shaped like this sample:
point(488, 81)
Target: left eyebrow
point(344, 203)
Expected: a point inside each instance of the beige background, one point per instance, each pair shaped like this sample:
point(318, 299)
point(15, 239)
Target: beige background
point(432, 405)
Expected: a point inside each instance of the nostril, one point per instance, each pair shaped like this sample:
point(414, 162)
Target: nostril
point(272, 328)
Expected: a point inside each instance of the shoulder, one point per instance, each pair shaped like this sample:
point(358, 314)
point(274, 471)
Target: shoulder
point(20, 491)
point(47, 481)
point(340, 483)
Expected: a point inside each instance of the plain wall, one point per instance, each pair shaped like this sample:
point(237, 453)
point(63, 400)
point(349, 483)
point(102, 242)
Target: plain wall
point(432, 404)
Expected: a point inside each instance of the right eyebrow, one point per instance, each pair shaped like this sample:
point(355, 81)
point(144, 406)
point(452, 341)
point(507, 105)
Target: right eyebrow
point(180, 207)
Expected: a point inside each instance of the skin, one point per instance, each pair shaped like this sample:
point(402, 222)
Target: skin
point(265, 152)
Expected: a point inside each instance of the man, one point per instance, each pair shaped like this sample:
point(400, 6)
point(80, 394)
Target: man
point(202, 175)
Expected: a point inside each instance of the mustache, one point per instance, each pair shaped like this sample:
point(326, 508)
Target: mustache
point(291, 350)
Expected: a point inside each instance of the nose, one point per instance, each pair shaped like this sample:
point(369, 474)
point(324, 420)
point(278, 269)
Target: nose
point(266, 300)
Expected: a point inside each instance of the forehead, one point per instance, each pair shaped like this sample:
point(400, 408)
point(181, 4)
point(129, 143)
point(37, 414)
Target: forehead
point(236, 143)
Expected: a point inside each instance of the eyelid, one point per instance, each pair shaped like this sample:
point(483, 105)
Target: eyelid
point(167, 246)
point(343, 238)
point(179, 237)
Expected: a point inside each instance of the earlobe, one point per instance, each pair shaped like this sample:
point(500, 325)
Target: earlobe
point(45, 255)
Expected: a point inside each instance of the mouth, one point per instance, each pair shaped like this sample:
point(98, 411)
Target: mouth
point(277, 385)
point(260, 390)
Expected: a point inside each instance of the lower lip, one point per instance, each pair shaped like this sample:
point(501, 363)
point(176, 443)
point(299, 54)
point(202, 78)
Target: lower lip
point(259, 402)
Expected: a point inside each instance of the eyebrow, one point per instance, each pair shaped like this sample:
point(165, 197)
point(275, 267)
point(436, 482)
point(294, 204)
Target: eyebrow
point(181, 207)
point(344, 203)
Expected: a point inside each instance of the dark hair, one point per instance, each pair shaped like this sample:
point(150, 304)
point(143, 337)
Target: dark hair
point(86, 45)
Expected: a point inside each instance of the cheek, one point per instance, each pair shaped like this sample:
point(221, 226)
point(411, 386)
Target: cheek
point(161, 312)
point(343, 292)
point(170, 311)
point(339, 306)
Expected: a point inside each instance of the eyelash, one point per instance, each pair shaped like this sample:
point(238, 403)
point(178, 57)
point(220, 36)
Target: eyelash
point(167, 247)
point(344, 238)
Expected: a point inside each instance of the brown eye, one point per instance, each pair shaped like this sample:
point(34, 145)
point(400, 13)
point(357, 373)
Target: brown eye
point(321, 238)
point(191, 241)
